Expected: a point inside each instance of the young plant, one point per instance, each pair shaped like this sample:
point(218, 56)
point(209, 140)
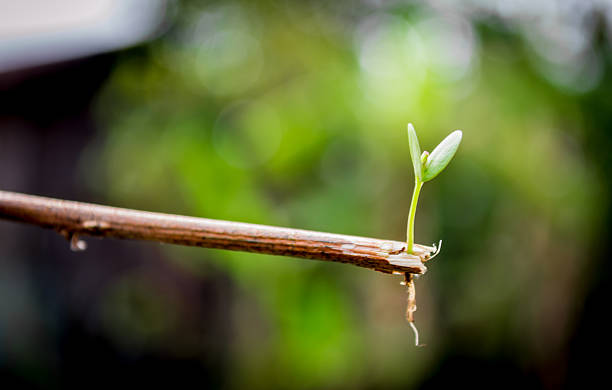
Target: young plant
point(426, 167)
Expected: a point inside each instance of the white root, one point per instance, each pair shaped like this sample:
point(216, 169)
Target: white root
point(416, 334)
point(437, 250)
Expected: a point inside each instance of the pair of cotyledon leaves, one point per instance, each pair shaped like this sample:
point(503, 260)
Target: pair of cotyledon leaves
point(426, 165)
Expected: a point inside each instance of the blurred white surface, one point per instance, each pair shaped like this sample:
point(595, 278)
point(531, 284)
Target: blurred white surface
point(38, 32)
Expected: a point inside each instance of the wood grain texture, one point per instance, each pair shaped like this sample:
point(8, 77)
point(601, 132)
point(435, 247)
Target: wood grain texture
point(76, 218)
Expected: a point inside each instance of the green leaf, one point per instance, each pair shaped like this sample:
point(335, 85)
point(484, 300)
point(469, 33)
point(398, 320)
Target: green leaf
point(441, 155)
point(415, 151)
point(424, 157)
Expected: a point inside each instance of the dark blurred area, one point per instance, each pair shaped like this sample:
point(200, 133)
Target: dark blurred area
point(294, 114)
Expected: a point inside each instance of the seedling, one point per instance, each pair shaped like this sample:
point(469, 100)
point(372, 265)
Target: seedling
point(426, 167)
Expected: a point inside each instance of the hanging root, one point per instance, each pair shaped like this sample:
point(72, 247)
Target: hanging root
point(411, 307)
point(416, 334)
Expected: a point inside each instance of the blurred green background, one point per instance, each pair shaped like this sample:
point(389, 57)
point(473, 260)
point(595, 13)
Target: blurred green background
point(294, 114)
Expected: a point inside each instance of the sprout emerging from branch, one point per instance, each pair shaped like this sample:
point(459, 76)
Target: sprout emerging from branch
point(426, 167)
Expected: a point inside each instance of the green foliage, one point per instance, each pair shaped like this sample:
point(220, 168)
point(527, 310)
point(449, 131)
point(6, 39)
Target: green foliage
point(427, 166)
point(415, 152)
point(441, 155)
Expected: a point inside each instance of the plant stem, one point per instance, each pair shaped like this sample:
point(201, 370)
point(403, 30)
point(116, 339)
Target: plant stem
point(413, 205)
point(76, 219)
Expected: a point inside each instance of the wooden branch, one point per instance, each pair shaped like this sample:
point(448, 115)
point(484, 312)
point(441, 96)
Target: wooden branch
point(74, 218)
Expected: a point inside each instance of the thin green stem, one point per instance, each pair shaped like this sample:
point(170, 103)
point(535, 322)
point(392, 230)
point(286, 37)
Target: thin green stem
point(413, 205)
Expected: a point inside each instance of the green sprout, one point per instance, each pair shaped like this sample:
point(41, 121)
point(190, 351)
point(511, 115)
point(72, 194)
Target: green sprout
point(426, 167)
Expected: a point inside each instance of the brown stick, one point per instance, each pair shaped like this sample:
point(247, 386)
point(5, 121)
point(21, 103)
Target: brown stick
point(75, 218)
